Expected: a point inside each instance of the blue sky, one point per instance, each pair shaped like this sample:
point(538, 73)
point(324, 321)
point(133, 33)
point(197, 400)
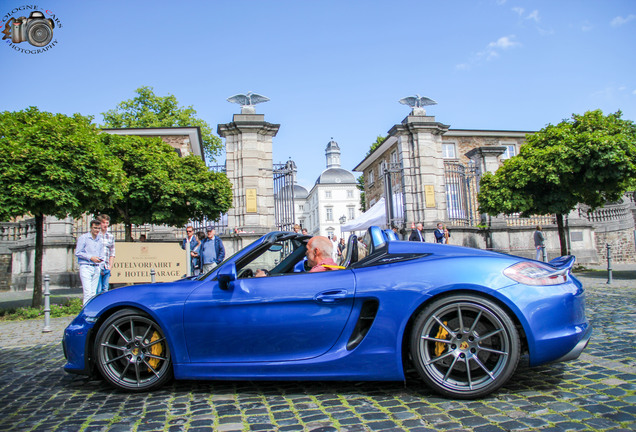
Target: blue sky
point(335, 68)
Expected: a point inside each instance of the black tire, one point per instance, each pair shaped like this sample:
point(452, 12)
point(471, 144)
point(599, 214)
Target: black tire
point(132, 353)
point(465, 346)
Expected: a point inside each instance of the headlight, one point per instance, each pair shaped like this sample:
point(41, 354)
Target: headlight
point(535, 273)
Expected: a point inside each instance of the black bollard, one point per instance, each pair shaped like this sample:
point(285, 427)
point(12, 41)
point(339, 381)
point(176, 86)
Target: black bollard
point(609, 263)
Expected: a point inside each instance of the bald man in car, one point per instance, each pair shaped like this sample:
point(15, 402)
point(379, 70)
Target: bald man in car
point(318, 254)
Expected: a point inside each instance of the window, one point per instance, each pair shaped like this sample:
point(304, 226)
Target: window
point(328, 194)
point(349, 193)
point(370, 177)
point(394, 157)
point(329, 214)
point(448, 151)
point(511, 150)
point(352, 212)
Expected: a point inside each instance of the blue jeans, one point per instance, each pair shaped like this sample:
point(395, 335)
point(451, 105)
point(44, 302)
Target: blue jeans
point(102, 284)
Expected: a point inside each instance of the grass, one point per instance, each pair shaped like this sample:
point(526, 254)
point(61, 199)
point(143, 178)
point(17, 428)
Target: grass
point(71, 307)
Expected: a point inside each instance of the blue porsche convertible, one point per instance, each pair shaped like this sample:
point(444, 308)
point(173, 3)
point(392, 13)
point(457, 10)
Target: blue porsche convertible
point(461, 317)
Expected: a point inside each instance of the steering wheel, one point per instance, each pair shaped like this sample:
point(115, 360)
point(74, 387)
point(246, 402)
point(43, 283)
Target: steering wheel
point(246, 273)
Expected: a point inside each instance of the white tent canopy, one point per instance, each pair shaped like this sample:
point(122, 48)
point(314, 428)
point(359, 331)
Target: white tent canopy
point(376, 215)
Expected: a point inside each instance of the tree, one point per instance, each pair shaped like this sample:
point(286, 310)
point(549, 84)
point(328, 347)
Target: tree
point(150, 110)
point(378, 142)
point(589, 159)
point(363, 197)
point(52, 164)
point(164, 188)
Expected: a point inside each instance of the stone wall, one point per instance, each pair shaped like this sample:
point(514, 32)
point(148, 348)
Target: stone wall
point(5, 272)
point(622, 245)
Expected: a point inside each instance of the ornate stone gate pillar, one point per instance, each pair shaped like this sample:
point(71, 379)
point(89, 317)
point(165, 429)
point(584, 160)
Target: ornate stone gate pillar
point(419, 142)
point(248, 146)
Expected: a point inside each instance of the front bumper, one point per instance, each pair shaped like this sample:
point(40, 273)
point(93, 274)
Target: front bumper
point(75, 344)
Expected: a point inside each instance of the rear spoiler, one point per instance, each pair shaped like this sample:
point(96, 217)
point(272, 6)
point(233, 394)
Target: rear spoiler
point(563, 263)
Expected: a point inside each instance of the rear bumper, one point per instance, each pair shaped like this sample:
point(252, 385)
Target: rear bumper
point(578, 348)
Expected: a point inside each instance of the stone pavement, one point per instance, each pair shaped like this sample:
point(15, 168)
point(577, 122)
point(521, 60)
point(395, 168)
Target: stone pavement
point(596, 392)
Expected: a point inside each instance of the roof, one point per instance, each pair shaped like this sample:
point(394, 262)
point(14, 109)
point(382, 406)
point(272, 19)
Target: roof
point(336, 176)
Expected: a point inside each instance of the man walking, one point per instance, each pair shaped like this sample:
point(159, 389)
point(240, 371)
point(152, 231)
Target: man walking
point(90, 254)
point(108, 242)
point(211, 251)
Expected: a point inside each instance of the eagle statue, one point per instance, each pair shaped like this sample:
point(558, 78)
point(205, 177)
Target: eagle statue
point(248, 99)
point(417, 101)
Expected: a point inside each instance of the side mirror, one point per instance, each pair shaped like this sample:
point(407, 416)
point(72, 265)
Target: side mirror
point(226, 275)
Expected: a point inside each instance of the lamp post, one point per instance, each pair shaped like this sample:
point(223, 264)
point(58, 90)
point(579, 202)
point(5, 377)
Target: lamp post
point(342, 220)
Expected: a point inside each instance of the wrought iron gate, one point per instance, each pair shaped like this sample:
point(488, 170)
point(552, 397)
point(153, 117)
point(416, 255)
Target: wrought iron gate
point(462, 187)
point(284, 216)
point(394, 195)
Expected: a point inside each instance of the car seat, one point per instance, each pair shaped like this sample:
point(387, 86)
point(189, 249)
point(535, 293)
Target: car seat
point(351, 251)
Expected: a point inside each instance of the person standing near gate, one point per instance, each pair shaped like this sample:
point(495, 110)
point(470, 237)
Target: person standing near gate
point(211, 251)
point(417, 234)
point(539, 243)
point(108, 241)
point(194, 242)
point(90, 254)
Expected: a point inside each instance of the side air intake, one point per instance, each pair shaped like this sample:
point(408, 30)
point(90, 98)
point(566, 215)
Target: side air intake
point(367, 315)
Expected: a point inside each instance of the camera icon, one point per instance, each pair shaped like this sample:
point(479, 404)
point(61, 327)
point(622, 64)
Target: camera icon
point(36, 29)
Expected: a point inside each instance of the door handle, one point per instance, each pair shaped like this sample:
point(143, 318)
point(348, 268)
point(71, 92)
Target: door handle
point(331, 296)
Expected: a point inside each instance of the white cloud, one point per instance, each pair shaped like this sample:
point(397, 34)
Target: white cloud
point(518, 10)
point(534, 15)
point(619, 20)
point(504, 42)
point(493, 49)
point(586, 26)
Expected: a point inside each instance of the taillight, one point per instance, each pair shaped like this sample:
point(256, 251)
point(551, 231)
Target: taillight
point(535, 273)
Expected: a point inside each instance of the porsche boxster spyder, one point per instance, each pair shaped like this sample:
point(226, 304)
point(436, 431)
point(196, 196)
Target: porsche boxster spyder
point(461, 317)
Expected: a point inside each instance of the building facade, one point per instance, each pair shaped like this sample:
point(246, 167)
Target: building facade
point(333, 200)
point(431, 173)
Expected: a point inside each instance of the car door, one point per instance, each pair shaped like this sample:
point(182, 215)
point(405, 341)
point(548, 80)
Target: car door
point(285, 317)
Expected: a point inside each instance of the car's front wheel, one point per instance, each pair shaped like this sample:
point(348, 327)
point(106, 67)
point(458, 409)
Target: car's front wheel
point(465, 346)
point(131, 352)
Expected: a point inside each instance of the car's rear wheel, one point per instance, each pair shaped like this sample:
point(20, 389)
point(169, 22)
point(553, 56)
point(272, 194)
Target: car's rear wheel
point(131, 352)
point(465, 346)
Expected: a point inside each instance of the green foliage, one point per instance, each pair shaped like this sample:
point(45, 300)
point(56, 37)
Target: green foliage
point(150, 110)
point(71, 307)
point(378, 142)
point(164, 188)
point(363, 197)
point(53, 164)
point(589, 159)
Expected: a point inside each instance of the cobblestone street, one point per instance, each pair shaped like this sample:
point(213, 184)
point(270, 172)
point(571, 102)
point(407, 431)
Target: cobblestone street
point(595, 392)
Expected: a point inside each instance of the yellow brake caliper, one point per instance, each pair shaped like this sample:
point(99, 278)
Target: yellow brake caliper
point(156, 349)
point(440, 347)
